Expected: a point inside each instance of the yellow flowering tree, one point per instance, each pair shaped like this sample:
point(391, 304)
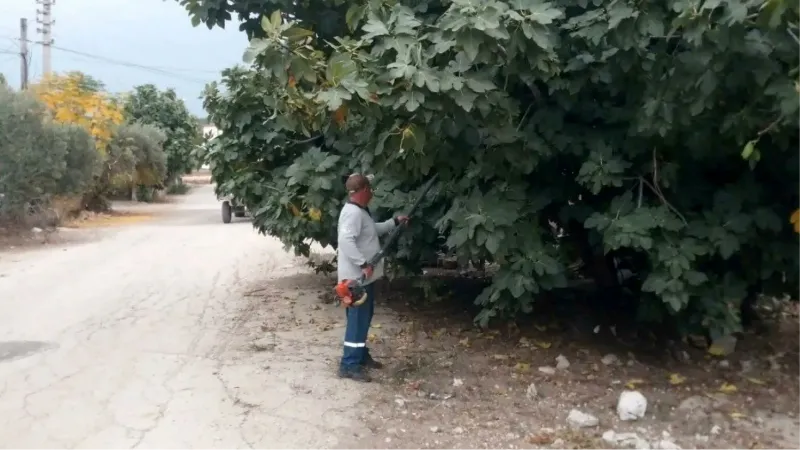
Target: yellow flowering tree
point(79, 99)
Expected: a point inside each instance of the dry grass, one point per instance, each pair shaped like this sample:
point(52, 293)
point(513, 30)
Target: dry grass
point(93, 220)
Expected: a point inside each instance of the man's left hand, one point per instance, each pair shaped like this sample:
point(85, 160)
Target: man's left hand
point(402, 220)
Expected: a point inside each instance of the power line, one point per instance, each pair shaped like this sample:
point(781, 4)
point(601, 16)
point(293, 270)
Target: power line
point(152, 69)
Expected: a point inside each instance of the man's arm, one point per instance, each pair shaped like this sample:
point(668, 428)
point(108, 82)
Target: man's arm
point(386, 226)
point(349, 229)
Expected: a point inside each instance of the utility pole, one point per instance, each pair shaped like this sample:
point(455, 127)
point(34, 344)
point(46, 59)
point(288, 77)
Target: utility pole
point(47, 32)
point(23, 53)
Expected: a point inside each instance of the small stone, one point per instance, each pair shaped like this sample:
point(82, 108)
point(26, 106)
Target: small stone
point(747, 366)
point(458, 382)
point(547, 370)
point(36, 230)
point(392, 431)
point(580, 419)
point(626, 440)
point(400, 402)
point(632, 405)
point(562, 363)
point(666, 444)
point(631, 363)
point(700, 438)
point(458, 430)
point(726, 344)
point(684, 356)
point(531, 392)
point(715, 430)
point(610, 359)
point(387, 440)
point(434, 429)
point(558, 443)
point(724, 364)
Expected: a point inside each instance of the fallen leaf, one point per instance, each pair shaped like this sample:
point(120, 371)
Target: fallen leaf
point(522, 367)
point(541, 328)
point(372, 337)
point(542, 344)
point(716, 350)
point(728, 388)
point(524, 342)
point(676, 379)
point(377, 325)
point(631, 384)
point(500, 357)
point(541, 439)
point(737, 415)
point(439, 332)
point(464, 342)
point(755, 381)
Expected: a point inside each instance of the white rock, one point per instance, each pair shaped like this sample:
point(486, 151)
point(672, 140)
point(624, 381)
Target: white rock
point(666, 444)
point(715, 430)
point(579, 419)
point(400, 402)
point(547, 370)
point(562, 362)
point(700, 438)
point(631, 405)
point(626, 440)
point(387, 440)
point(434, 429)
point(458, 382)
point(558, 443)
point(531, 392)
point(458, 430)
point(610, 359)
point(36, 230)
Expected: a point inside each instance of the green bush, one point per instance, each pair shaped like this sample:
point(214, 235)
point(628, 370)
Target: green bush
point(33, 155)
point(652, 139)
point(163, 109)
point(83, 161)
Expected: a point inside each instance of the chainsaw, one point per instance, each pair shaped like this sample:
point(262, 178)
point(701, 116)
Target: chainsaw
point(351, 293)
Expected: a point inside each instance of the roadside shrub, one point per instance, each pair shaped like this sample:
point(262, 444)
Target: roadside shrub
point(33, 155)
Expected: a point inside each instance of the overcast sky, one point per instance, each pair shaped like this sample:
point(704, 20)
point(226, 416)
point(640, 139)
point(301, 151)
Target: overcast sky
point(153, 33)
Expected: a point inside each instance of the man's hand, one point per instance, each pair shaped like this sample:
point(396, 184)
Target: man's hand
point(402, 220)
point(367, 271)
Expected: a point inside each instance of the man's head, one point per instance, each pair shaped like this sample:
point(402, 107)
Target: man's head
point(359, 188)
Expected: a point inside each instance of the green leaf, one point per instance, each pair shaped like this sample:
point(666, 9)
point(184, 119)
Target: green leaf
point(748, 149)
point(296, 33)
point(340, 67)
point(333, 97)
point(480, 86)
point(275, 19)
point(354, 15)
point(374, 27)
point(255, 48)
point(492, 244)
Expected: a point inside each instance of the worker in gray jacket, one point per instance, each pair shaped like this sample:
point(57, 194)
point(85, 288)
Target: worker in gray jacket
point(358, 242)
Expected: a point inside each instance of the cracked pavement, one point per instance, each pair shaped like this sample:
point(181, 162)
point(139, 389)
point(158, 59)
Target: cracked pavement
point(143, 338)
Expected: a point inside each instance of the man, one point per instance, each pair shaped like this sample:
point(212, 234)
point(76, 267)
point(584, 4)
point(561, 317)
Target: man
point(358, 242)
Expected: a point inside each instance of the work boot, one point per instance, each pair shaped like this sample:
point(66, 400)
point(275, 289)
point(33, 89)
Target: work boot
point(370, 363)
point(354, 374)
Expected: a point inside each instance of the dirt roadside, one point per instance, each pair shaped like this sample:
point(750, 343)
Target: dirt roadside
point(181, 331)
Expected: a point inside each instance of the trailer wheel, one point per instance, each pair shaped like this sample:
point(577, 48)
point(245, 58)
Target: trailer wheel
point(226, 212)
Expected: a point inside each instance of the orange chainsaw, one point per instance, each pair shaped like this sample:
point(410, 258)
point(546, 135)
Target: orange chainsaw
point(351, 293)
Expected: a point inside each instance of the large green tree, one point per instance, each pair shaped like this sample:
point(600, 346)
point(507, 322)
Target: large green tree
point(163, 109)
point(661, 136)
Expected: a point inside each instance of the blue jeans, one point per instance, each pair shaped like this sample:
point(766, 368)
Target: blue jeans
point(359, 319)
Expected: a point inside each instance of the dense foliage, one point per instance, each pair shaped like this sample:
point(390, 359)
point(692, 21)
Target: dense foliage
point(39, 159)
point(79, 99)
point(661, 136)
point(163, 109)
